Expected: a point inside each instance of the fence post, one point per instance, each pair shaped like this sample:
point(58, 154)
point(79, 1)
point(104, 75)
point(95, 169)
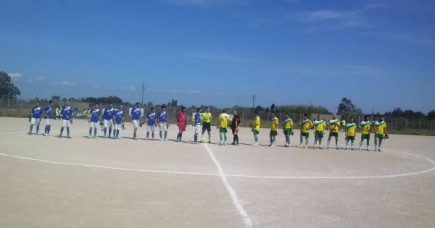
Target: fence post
point(419, 124)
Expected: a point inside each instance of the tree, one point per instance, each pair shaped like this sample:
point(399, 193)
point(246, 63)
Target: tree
point(346, 106)
point(7, 88)
point(431, 115)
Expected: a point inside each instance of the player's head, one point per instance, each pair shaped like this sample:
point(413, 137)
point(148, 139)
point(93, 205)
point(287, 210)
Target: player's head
point(351, 119)
point(366, 117)
point(382, 118)
point(50, 102)
point(319, 117)
point(136, 105)
point(286, 116)
point(224, 111)
point(37, 103)
point(235, 112)
point(163, 107)
point(256, 112)
point(96, 105)
point(208, 109)
point(183, 109)
point(305, 115)
point(66, 102)
point(111, 105)
point(273, 114)
point(198, 110)
point(333, 117)
point(152, 109)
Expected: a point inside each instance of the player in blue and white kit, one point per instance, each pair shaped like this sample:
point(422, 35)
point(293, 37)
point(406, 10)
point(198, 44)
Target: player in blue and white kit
point(67, 116)
point(136, 114)
point(93, 120)
point(151, 123)
point(197, 124)
point(119, 121)
point(36, 117)
point(49, 115)
point(163, 125)
point(108, 119)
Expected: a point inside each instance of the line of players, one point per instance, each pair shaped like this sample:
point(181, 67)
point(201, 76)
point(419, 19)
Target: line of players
point(379, 127)
point(114, 118)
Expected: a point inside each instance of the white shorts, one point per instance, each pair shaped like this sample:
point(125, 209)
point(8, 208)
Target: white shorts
point(118, 126)
point(66, 123)
point(108, 123)
point(151, 128)
point(93, 124)
point(163, 127)
point(135, 123)
point(47, 121)
point(198, 128)
point(35, 121)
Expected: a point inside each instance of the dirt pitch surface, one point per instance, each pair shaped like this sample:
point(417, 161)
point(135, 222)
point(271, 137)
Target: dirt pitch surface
point(59, 182)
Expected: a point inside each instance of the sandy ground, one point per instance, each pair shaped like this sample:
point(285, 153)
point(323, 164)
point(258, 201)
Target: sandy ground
point(81, 182)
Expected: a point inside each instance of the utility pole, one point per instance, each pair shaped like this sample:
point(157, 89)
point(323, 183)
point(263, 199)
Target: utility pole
point(254, 97)
point(143, 90)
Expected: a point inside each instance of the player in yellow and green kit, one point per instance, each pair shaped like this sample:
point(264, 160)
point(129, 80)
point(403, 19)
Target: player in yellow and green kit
point(350, 132)
point(223, 124)
point(319, 127)
point(273, 129)
point(334, 127)
point(206, 124)
point(380, 133)
point(287, 128)
point(306, 125)
point(366, 127)
point(256, 127)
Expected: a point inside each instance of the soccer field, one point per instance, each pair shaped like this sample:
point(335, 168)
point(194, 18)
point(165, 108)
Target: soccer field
point(58, 182)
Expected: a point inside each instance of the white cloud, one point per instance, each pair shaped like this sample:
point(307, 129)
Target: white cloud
point(335, 20)
point(65, 83)
point(15, 76)
point(217, 57)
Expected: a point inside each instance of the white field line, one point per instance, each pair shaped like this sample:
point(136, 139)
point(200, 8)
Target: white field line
point(231, 175)
point(108, 167)
point(246, 219)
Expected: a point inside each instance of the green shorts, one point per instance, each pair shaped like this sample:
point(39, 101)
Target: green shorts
point(306, 135)
point(223, 129)
point(365, 136)
point(318, 135)
point(351, 138)
point(287, 132)
point(255, 132)
point(273, 133)
point(379, 136)
point(335, 134)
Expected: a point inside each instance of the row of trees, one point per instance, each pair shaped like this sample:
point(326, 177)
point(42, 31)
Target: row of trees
point(7, 88)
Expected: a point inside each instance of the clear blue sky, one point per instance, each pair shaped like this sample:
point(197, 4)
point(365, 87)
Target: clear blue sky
point(380, 54)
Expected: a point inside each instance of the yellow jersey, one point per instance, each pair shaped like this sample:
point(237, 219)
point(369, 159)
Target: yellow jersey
point(366, 127)
point(334, 125)
point(306, 125)
point(380, 127)
point(275, 123)
point(223, 120)
point(206, 117)
point(319, 125)
point(351, 129)
point(288, 123)
point(256, 124)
